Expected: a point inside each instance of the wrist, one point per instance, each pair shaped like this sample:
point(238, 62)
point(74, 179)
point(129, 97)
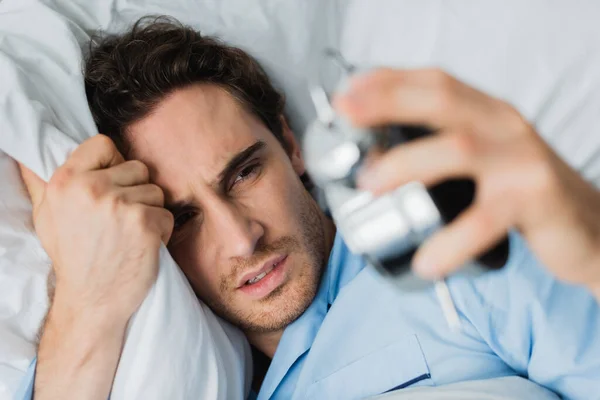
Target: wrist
point(80, 331)
point(78, 354)
point(70, 309)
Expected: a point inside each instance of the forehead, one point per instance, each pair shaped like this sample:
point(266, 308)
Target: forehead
point(192, 134)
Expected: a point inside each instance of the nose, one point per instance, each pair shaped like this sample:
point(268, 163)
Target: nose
point(238, 233)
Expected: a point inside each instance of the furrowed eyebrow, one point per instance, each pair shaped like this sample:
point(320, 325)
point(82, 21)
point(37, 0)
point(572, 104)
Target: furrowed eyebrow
point(230, 168)
point(237, 161)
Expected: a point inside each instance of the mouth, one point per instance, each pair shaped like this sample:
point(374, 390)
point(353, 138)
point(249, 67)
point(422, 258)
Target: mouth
point(261, 282)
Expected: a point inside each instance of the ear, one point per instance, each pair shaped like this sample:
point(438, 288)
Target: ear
point(293, 148)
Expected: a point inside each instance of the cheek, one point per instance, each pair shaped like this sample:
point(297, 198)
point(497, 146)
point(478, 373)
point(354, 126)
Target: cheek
point(197, 267)
point(276, 203)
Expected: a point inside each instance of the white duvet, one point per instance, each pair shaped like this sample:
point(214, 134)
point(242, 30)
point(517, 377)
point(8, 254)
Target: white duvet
point(541, 56)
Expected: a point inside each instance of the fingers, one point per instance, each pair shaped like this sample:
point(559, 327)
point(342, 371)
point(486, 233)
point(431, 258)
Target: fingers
point(129, 173)
point(424, 97)
point(163, 220)
point(470, 234)
point(34, 184)
point(429, 160)
point(149, 194)
point(98, 152)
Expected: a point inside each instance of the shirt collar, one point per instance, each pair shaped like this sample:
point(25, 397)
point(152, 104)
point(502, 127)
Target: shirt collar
point(298, 337)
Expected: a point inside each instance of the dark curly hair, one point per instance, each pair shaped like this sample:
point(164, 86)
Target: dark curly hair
point(127, 75)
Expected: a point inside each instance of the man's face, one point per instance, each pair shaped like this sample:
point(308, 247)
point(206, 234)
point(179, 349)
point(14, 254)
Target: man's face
point(247, 234)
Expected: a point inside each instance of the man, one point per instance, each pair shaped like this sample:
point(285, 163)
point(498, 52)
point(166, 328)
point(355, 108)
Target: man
point(205, 136)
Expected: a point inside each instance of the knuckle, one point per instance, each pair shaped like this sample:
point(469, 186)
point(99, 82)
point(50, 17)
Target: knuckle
point(534, 169)
point(94, 189)
point(59, 181)
point(543, 179)
point(440, 78)
point(141, 169)
point(444, 90)
point(63, 177)
point(103, 141)
point(160, 195)
point(104, 144)
point(114, 203)
point(463, 146)
point(65, 172)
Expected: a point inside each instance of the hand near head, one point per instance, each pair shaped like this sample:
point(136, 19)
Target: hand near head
point(521, 182)
point(102, 224)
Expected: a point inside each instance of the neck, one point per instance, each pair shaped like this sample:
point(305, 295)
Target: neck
point(265, 342)
point(329, 230)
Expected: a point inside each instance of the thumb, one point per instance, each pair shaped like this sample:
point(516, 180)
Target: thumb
point(34, 184)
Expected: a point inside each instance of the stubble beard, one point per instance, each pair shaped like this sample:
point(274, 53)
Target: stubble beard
point(288, 302)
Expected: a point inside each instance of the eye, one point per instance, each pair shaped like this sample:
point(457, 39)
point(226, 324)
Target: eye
point(246, 173)
point(182, 218)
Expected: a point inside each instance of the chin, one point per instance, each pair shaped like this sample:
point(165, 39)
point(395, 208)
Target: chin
point(279, 309)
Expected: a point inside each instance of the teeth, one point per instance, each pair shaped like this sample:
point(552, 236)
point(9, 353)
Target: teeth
point(260, 276)
point(257, 278)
